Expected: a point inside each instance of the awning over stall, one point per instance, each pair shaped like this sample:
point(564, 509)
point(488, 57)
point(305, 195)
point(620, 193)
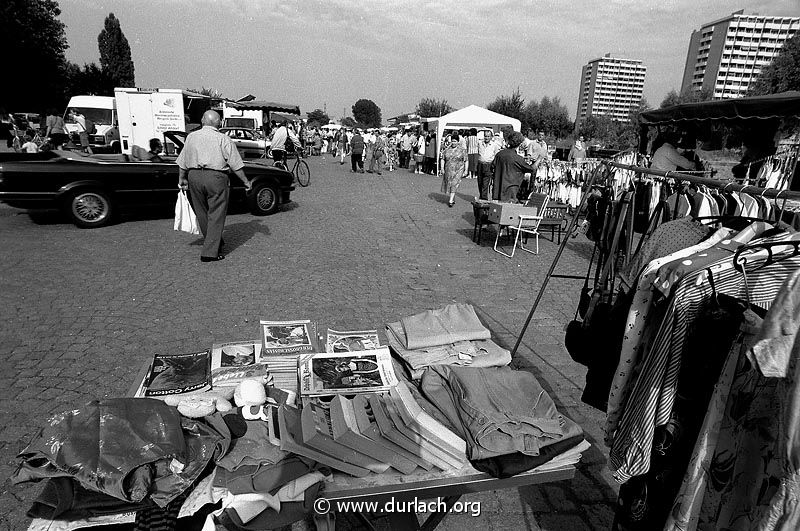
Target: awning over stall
point(779, 105)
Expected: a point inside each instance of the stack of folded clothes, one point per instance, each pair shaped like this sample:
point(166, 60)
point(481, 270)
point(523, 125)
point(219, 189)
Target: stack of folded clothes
point(510, 423)
point(452, 335)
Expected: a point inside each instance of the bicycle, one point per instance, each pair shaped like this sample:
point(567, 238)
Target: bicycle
point(301, 171)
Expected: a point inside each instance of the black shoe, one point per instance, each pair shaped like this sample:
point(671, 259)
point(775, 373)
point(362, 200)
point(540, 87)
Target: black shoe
point(451, 203)
point(212, 258)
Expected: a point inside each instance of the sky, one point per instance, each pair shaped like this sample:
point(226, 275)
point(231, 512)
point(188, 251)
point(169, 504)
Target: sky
point(328, 54)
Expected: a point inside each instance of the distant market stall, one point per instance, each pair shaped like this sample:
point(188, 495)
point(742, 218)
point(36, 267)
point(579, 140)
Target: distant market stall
point(765, 123)
point(470, 116)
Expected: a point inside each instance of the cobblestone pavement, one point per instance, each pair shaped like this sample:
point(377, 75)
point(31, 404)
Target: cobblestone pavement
point(82, 310)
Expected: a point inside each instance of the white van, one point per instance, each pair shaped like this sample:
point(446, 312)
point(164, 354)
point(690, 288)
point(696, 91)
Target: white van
point(102, 111)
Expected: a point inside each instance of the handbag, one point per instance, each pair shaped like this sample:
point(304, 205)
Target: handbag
point(185, 219)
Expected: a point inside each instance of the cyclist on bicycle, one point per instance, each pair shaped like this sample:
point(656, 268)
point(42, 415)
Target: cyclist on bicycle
point(284, 141)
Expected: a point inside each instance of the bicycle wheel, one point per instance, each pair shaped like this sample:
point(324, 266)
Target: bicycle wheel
point(302, 173)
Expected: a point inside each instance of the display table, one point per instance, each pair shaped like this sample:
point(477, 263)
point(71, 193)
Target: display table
point(449, 486)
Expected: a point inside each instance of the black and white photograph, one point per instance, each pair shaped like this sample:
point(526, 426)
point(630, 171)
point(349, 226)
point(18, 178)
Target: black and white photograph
point(566, 232)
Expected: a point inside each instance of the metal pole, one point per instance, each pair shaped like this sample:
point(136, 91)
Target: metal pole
point(557, 257)
point(717, 183)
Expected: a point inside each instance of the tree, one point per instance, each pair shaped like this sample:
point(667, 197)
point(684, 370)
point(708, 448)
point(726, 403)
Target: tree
point(115, 53)
point(509, 105)
point(34, 43)
point(687, 96)
point(348, 122)
point(367, 113)
point(548, 115)
point(318, 117)
point(430, 107)
point(89, 79)
point(599, 128)
point(782, 74)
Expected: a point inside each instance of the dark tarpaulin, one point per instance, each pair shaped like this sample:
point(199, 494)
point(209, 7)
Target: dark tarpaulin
point(779, 105)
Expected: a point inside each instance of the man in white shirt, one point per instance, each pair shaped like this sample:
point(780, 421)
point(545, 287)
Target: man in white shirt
point(487, 150)
point(406, 143)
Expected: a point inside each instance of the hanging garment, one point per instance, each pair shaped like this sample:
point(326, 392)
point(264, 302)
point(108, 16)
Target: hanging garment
point(640, 328)
point(669, 274)
point(651, 399)
point(678, 205)
point(668, 238)
point(645, 503)
point(776, 359)
point(739, 478)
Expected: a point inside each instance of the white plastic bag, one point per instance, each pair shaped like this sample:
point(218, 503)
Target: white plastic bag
point(185, 220)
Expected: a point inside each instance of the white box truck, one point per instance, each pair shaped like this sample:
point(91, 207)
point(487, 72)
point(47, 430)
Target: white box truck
point(148, 113)
point(102, 111)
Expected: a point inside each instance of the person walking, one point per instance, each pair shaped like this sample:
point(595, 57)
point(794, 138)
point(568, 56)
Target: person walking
point(472, 153)
point(455, 157)
point(342, 145)
point(378, 152)
point(406, 143)
point(487, 150)
point(203, 166)
point(56, 130)
point(357, 152)
point(429, 165)
point(419, 153)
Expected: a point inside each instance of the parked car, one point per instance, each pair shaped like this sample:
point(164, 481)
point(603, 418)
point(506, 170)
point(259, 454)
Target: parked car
point(91, 188)
point(250, 142)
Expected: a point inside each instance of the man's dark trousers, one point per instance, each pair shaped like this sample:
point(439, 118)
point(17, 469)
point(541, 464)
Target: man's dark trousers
point(356, 161)
point(485, 176)
point(210, 190)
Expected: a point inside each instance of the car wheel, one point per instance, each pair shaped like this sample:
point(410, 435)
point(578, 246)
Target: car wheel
point(89, 208)
point(263, 199)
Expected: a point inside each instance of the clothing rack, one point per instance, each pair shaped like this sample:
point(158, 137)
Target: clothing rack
point(678, 176)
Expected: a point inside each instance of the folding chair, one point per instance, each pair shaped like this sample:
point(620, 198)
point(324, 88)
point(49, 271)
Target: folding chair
point(528, 224)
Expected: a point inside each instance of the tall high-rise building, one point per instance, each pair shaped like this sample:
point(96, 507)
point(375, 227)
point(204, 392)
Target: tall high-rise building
point(726, 55)
point(610, 86)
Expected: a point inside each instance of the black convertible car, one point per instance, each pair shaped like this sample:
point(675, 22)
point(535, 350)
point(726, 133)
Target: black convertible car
point(91, 188)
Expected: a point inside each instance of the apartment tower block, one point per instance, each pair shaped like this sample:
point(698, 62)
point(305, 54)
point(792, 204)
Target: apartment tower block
point(610, 86)
point(725, 56)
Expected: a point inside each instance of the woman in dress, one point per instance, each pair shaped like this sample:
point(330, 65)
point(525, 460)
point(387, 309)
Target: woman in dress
point(455, 157)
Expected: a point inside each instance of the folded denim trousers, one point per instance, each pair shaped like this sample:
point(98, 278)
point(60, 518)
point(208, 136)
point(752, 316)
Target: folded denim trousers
point(501, 410)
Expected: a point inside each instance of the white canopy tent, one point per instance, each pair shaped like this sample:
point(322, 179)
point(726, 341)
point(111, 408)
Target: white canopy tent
point(471, 116)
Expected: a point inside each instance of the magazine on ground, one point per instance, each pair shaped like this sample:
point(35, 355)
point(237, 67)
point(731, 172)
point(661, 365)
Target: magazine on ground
point(346, 373)
point(171, 374)
point(233, 362)
point(279, 338)
point(352, 341)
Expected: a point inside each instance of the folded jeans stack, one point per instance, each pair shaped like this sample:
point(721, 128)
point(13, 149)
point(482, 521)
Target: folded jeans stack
point(452, 335)
point(504, 415)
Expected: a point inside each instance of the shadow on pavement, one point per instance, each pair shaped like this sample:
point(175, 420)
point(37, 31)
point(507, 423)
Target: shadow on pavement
point(237, 234)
